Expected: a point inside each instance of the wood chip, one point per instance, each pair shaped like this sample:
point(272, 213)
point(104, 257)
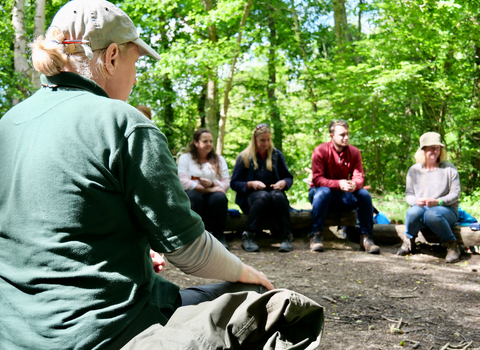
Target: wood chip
point(329, 299)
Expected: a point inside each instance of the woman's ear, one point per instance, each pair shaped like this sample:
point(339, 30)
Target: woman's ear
point(111, 59)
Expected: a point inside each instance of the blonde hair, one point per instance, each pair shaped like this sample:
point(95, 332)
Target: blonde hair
point(49, 56)
point(147, 112)
point(420, 156)
point(251, 150)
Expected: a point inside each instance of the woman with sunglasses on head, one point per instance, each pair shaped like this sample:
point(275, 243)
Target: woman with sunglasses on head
point(204, 176)
point(433, 190)
point(260, 178)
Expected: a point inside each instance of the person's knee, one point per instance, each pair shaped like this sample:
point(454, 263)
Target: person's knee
point(194, 195)
point(432, 215)
point(196, 200)
point(278, 196)
point(363, 196)
point(219, 198)
point(322, 193)
point(261, 198)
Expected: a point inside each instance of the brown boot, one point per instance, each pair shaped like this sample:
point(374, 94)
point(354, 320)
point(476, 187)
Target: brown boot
point(408, 246)
point(453, 252)
point(316, 244)
point(366, 244)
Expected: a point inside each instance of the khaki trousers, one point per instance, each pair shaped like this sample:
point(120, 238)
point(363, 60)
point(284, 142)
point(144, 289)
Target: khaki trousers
point(278, 319)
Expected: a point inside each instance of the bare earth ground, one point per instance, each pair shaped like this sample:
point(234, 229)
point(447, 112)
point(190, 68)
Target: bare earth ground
point(374, 301)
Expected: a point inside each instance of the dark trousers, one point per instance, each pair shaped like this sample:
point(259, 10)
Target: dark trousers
point(264, 203)
point(323, 200)
point(209, 292)
point(212, 207)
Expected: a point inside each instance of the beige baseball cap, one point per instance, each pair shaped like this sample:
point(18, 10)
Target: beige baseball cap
point(97, 24)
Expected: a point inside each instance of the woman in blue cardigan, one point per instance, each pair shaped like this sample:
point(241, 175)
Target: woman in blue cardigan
point(260, 178)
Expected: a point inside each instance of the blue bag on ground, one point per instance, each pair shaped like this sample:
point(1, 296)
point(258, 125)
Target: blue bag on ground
point(464, 218)
point(381, 218)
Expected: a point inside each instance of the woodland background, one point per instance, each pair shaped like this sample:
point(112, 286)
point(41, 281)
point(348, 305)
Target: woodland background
point(393, 68)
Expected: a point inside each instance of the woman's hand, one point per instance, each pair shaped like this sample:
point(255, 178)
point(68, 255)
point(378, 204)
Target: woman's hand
point(256, 185)
point(420, 202)
point(280, 185)
point(206, 182)
point(253, 276)
point(158, 261)
point(430, 202)
point(215, 188)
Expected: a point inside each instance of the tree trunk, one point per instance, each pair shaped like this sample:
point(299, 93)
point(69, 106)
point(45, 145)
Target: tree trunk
point(168, 112)
point(272, 81)
point(39, 29)
point(375, 143)
point(296, 29)
point(337, 16)
point(20, 45)
point(348, 35)
point(201, 105)
point(228, 86)
point(360, 3)
point(211, 100)
point(168, 98)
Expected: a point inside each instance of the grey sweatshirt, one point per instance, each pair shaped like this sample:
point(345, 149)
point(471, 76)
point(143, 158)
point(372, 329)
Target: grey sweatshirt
point(442, 183)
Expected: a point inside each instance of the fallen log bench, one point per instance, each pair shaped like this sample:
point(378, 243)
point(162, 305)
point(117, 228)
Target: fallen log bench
point(301, 221)
point(383, 234)
point(391, 234)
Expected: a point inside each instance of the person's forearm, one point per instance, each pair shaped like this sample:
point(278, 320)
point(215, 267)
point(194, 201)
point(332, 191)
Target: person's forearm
point(206, 257)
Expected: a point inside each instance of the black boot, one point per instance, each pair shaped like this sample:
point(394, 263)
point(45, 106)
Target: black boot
point(286, 245)
point(248, 243)
point(222, 239)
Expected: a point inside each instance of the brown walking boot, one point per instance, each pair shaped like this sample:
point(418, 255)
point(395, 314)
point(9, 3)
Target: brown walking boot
point(316, 243)
point(408, 246)
point(366, 244)
point(453, 251)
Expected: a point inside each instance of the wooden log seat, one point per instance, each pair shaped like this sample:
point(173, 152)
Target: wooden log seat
point(383, 234)
point(391, 234)
point(301, 221)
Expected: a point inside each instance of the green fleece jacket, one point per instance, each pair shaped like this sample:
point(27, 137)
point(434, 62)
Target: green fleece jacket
point(87, 186)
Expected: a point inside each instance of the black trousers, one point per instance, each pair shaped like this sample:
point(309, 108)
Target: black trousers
point(212, 207)
point(264, 203)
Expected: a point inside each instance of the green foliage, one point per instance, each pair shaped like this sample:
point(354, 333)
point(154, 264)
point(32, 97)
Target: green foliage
point(414, 67)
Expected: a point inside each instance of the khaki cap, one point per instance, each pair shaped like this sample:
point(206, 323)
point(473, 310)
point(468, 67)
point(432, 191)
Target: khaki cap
point(99, 22)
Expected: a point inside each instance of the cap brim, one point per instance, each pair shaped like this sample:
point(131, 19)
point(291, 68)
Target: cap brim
point(145, 49)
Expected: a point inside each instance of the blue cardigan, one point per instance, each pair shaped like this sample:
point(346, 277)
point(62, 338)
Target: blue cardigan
point(242, 175)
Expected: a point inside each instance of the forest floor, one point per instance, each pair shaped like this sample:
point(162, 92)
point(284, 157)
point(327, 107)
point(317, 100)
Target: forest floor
point(374, 301)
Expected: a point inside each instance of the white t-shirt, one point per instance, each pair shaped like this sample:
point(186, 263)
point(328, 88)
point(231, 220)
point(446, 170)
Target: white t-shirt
point(187, 168)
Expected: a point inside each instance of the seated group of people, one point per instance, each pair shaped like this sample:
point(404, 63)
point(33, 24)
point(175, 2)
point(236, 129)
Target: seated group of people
point(261, 177)
point(89, 189)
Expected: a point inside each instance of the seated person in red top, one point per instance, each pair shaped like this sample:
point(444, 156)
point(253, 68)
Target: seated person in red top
point(260, 178)
point(337, 183)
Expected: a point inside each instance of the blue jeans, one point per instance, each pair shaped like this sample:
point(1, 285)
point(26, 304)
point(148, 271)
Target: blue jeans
point(323, 200)
point(438, 219)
